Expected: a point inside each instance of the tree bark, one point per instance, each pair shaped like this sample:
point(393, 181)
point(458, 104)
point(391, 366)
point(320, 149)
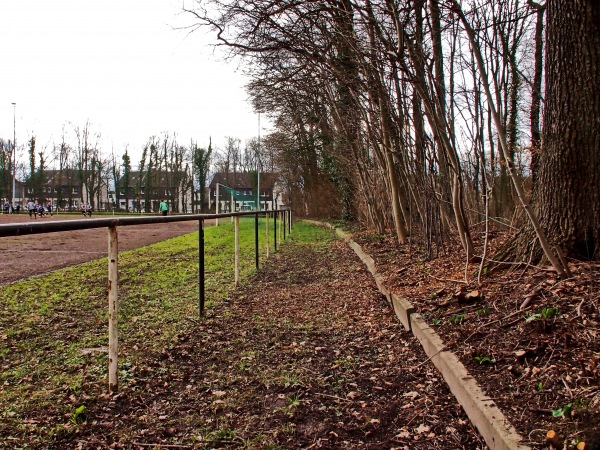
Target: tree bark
point(567, 193)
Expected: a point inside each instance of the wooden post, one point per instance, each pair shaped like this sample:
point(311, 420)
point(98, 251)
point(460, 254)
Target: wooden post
point(217, 202)
point(232, 206)
point(237, 250)
point(113, 309)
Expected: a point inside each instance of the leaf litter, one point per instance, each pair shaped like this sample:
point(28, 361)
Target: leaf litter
point(308, 354)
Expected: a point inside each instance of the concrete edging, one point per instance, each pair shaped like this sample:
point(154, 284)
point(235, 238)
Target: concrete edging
point(483, 412)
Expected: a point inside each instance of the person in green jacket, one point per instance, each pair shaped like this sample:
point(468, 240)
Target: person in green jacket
point(163, 208)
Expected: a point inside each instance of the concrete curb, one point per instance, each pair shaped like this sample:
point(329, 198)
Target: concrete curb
point(496, 430)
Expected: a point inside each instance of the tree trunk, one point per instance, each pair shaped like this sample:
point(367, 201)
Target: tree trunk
point(567, 193)
point(536, 93)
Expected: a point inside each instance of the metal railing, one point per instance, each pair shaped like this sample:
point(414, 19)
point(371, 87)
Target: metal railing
point(20, 229)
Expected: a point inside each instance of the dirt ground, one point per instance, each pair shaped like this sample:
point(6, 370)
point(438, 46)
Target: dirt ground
point(27, 256)
point(529, 338)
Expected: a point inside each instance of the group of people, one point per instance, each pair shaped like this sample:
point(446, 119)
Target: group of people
point(36, 209)
point(86, 209)
point(8, 209)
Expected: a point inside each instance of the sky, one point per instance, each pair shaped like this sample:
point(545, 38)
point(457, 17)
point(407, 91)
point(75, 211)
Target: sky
point(120, 65)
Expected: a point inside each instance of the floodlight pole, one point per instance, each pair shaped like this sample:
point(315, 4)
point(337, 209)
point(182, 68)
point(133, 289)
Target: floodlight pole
point(258, 168)
point(14, 168)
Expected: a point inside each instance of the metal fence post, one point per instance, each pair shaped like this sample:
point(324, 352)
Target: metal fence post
point(275, 228)
point(113, 309)
point(256, 239)
point(237, 250)
point(268, 242)
point(284, 224)
point(201, 266)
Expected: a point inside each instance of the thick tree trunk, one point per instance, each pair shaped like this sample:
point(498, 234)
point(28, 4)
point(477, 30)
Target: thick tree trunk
point(536, 93)
point(567, 192)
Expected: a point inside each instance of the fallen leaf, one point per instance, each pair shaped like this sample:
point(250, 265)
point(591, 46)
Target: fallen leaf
point(423, 429)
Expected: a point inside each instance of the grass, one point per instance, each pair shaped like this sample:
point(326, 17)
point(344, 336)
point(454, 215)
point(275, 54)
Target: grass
point(53, 328)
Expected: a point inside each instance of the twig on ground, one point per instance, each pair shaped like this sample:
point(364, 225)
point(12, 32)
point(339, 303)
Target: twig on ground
point(448, 280)
point(449, 344)
point(141, 444)
point(334, 396)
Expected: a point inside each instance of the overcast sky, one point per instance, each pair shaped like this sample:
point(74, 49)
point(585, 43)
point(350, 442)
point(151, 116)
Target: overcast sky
point(119, 64)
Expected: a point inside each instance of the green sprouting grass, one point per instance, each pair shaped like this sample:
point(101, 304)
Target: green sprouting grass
point(53, 328)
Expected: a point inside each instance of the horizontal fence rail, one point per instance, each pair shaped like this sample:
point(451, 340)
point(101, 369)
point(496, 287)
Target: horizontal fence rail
point(112, 224)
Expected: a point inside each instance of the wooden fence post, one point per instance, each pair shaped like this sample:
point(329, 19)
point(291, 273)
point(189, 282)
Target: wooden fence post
point(113, 309)
point(217, 206)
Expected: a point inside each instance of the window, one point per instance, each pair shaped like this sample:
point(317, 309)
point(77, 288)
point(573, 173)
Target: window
point(75, 190)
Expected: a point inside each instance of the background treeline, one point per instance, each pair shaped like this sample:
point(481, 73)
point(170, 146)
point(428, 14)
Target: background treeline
point(78, 168)
point(422, 115)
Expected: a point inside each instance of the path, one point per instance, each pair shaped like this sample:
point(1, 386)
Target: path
point(309, 355)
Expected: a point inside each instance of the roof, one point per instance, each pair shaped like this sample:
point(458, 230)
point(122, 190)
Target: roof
point(160, 179)
point(244, 180)
point(66, 177)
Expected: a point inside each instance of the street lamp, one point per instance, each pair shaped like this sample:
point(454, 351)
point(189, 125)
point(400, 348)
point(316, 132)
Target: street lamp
point(14, 165)
point(258, 168)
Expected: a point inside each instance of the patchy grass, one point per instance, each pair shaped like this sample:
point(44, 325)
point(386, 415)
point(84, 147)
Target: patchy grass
point(54, 328)
point(305, 354)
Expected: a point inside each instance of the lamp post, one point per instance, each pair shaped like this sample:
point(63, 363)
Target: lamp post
point(14, 173)
point(258, 168)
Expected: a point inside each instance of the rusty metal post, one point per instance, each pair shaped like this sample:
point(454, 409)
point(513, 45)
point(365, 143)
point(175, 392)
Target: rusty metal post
point(113, 309)
point(201, 266)
point(237, 250)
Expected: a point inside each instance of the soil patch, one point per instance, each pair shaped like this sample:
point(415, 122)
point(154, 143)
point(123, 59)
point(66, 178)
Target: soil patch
point(27, 256)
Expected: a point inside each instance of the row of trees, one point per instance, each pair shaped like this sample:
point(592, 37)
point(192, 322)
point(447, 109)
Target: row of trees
point(431, 115)
point(77, 168)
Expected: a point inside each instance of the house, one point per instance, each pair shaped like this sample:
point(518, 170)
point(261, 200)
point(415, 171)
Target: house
point(143, 191)
point(6, 188)
point(237, 191)
point(66, 189)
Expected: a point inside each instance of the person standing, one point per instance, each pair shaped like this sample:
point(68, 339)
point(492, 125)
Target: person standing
point(163, 208)
point(31, 209)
